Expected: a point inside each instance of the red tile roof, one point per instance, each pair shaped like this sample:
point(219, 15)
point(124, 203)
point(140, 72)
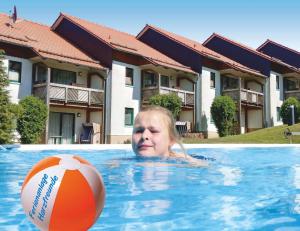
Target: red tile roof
point(124, 42)
point(43, 41)
point(199, 48)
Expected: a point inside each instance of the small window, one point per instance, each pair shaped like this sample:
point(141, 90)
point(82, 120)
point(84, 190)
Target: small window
point(278, 114)
point(14, 71)
point(129, 76)
point(277, 82)
point(128, 116)
point(164, 81)
point(41, 74)
point(149, 79)
point(212, 80)
point(63, 76)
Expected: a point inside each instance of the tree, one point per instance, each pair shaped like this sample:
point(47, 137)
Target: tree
point(31, 123)
point(7, 117)
point(170, 101)
point(285, 111)
point(223, 110)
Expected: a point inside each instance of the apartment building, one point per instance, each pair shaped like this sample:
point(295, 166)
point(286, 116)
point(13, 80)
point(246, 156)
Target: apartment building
point(291, 81)
point(274, 69)
point(41, 63)
point(219, 75)
point(88, 73)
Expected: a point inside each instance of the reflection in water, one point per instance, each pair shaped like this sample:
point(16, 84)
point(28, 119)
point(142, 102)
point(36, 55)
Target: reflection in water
point(232, 176)
point(230, 214)
point(297, 176)
point(137, 209)
point(297, 186)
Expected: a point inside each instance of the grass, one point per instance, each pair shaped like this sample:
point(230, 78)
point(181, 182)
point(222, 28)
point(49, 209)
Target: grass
point(273, 135)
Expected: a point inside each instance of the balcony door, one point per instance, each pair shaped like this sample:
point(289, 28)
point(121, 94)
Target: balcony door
point(61, 128)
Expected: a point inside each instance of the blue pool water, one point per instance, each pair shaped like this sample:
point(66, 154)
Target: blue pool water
point(242, 189)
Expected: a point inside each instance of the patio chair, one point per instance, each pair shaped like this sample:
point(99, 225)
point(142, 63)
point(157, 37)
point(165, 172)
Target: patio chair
point(86, 134)
point(181, 127)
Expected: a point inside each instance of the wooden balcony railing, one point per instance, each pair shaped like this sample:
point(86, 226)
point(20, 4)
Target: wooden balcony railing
point(293, 93)
point(187, 97)
point(69, 94)
point(246, 96)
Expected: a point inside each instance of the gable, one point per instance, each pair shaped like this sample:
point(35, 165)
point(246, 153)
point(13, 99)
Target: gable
point(172, 49)
point(240, 55)
point(84, 40)
point(279, 52)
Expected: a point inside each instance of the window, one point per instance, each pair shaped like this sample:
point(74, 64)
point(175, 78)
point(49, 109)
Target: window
point(41, 74)
point(14, 71)
point(149, 79)
point(128, 116)
point(129, 76)
point(277, 82)
point(63, 76)
point(278, 114)
point(164, 81)
point(212, 80)
point(229, 83)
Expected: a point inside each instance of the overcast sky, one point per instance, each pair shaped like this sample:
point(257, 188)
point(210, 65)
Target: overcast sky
point(250, 22)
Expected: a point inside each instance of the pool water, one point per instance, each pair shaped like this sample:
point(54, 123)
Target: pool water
point(242, 189)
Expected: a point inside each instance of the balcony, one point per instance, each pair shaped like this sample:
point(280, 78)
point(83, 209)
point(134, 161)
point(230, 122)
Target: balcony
point(247, 97)
point(187, 97)
point(69, 95)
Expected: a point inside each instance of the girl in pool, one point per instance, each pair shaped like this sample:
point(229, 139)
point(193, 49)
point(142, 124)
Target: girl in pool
point(154, 133)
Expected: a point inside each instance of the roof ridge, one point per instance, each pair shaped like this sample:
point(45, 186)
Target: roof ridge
point(97, 24)
point(281, 45)
point(241, 45)
point(19, 19)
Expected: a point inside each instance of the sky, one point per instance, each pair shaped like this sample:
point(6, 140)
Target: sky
point(250, 22)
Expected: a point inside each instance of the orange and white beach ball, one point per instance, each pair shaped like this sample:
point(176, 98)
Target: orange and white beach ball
point(63, 193)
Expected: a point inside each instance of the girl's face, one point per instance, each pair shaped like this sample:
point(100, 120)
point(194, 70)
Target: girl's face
point(150, 135)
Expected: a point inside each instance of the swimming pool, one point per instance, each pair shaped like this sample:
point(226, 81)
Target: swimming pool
point(253, 188)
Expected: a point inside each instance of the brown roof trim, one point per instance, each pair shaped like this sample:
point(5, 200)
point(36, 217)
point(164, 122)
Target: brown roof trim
point(237, 44)
point(20, 45)
point(170, 37)
point(203, 53)
point(62, 16)
point(278, 44)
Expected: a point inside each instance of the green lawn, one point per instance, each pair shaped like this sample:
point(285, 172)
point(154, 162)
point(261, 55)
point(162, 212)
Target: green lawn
point(273, 135)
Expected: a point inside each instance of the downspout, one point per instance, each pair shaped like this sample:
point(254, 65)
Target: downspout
point(104, 108)
point(198, 103)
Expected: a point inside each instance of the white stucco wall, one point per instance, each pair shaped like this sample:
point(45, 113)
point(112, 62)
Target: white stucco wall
point(208, 94)
point(121, 97)
point(275, 98)
point(18, 91)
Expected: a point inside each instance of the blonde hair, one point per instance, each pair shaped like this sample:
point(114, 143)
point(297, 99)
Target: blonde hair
point(174, 136)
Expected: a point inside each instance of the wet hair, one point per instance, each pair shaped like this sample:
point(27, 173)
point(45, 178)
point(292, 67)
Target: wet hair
point(174, 136)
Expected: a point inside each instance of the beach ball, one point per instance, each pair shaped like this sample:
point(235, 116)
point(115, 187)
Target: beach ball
point(63, 193)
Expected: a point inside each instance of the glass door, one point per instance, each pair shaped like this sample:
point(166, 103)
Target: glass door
point(61, 128)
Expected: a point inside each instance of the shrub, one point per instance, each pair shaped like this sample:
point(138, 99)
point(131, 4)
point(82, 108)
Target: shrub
point(31, 123)
point(285, 112)
point(7, 117)
point(223, 110)
point(170, 101)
